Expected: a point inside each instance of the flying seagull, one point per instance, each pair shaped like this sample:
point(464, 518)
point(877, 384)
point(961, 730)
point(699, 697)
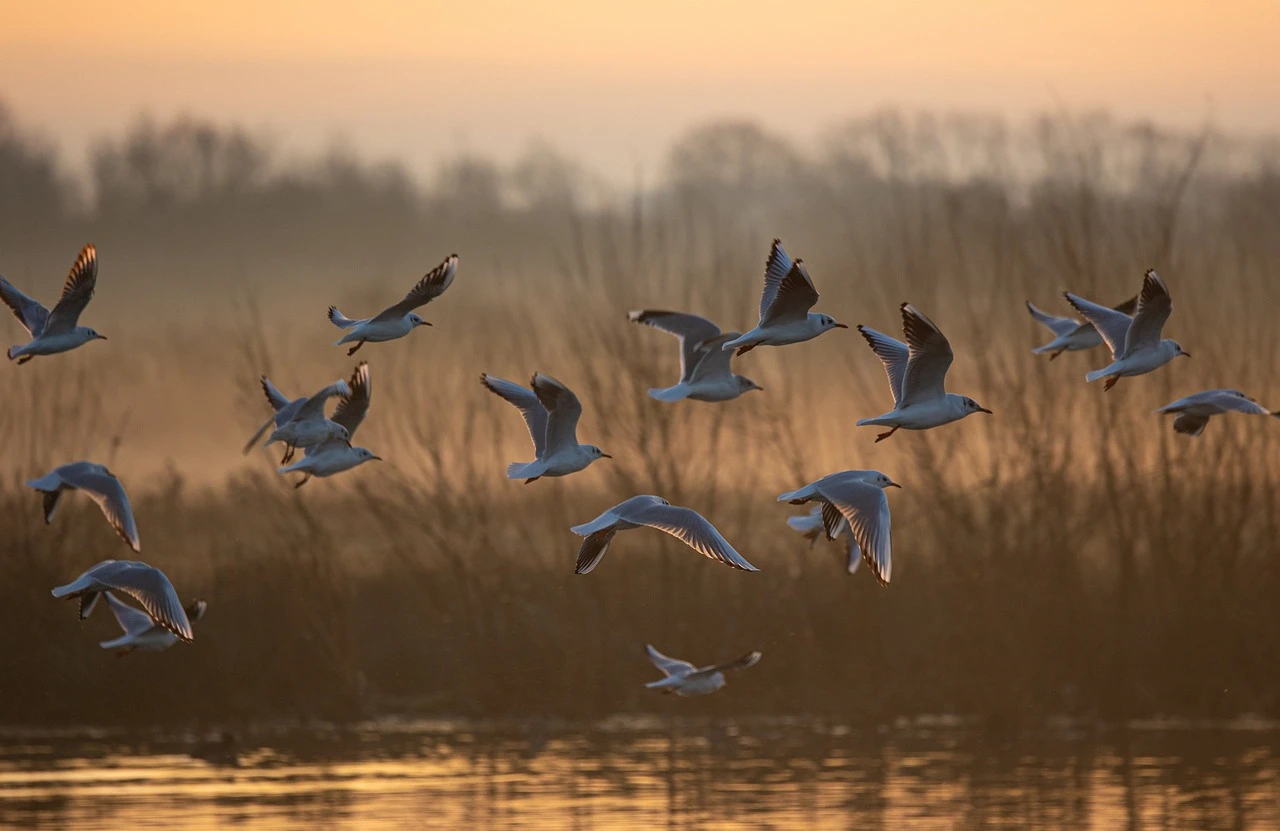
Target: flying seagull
point(59, 330)
point(916, 371)
point(1135, 343)
point(397, 320)
point(784, 306)
point(140, 631)
point(284, 409)
point(337, 454)
point(145, 584)
point(551, 413)
point(704, 366)
point(811, 527)
point(101, 485)
point(855, 497)
point(1194, 411)
point(683, 678)
point(686, 525)
point(308, 426)
point(1069, 334)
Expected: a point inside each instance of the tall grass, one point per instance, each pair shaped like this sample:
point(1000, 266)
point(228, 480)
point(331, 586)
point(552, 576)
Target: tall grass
point(1069, 554)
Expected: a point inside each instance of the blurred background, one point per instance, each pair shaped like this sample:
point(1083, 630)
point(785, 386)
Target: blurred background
point(243, 166)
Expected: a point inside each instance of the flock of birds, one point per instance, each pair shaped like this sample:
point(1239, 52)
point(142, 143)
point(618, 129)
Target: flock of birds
point(852, 503)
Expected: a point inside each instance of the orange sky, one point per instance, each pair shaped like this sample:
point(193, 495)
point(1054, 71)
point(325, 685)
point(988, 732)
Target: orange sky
point(614, 82)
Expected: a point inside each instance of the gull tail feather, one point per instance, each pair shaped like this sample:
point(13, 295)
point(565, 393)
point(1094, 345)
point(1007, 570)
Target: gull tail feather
point(12, 352)
point(676, 393)
point(1098, 374)
point(525, 470)
point(1048, 347)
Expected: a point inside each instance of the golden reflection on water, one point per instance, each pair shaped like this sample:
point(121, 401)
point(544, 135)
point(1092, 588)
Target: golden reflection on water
point(647, 774)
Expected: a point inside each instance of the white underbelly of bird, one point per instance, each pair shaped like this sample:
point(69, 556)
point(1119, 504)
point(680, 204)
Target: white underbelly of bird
point(919, 416)
point(694, 684)
point(1140, 362)
point(378, 331)
point(796, 331)
point(52, 344)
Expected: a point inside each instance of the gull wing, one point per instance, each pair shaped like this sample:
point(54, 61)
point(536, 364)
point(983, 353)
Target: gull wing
point(1111, 324)
point(690, 329)
point(776, 268)
point(104, 488)
point(669, 666)
point(431, 286)
point(688, 526)
point(1190, 425)
point(749, 660)
point(894, 354)
point(132, 621)
point(353, 405)
point(793, 299)
point(930, 358)
point(866, 507)
point(563, 410)
point(30, 313)
point(524, 400)
point(151, 588)
point(712, 359)
point(76, 293)
point(1060, 326)
point(1154, 307)
point(313, 407)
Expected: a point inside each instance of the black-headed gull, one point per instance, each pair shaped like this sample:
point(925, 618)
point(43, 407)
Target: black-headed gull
point(140, 631)
point(1194, 411)
point(704, 366)
point(101, 485)
point(145, 584)
point(398, 320)
point(58, 330)
point(917, 370)
point(1135, 343)
point(855, 497)
point(336, 455)
point(1069, 334)
point(685, 524)
point(308, 426)
point(551, 413)
point(784, 306)
point(683, 678)
point(811, 527)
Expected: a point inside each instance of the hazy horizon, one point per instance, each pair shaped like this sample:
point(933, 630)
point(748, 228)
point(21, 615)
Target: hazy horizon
point(418, 85)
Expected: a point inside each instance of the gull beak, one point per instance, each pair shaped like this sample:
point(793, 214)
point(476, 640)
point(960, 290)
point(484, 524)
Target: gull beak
point(102, 337)
point(894, 485)
point(841, 325)
point(985, 410)
point(376, 458)
point(605, 456)
point(1186, 354)
point(426, 323)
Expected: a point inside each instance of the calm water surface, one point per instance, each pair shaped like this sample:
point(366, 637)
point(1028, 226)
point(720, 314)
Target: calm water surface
point(646, 774)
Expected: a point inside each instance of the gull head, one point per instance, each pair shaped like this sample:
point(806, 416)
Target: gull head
point(882, 481)
point(596, 453)
point(91, 334)
point(363, 454)
point(746, 384)
point(416, 319)
point(829, 322)
point(970, 406)
point(1177, 349)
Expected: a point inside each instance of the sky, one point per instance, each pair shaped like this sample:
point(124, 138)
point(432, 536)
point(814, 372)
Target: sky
point(612, 84)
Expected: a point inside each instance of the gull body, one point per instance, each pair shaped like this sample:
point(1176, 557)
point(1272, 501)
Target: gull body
point(140, 632)
point(551, 412)
point(684, 679)
point(854, 501)
point(811, 527)
point(684, 524)
point(1194, 411)
point(53, 332)
point(917, 371)
point(309, 427)
point(788, 296)
point(704, 366)
point(102, 487)
point(1069, 334)
point(145, 584)
point(1135, 342)
point(399, 319)
point(336, 455)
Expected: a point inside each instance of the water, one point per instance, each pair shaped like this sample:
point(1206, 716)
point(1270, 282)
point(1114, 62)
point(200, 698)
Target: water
point(647, 774)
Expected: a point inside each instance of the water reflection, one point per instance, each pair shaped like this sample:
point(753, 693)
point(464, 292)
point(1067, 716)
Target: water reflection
point(645, 774)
